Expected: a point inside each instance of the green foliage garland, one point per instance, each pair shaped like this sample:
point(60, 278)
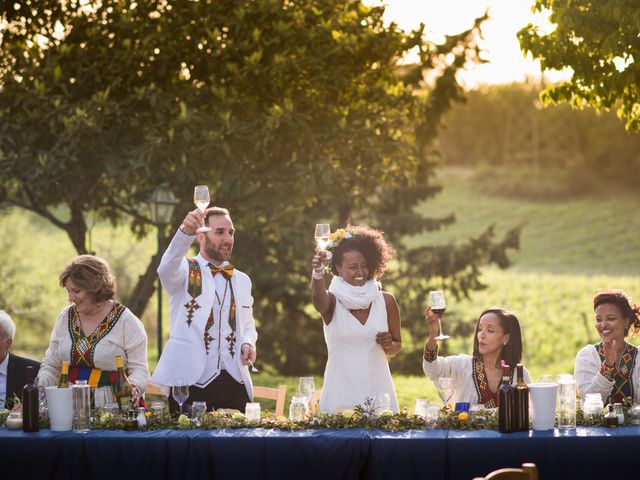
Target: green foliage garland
point(360, 417)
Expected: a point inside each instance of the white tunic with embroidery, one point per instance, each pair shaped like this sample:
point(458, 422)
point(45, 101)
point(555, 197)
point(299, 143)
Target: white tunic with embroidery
point(460, 369)
point(185, 355)
point(357, 366)
point(590, 380)
point(127, 338)
point(221, 340)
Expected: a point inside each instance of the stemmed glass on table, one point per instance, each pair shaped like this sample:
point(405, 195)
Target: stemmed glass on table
point(445, 389)
point(180, 392)
point(438, 305)
point(202, 199)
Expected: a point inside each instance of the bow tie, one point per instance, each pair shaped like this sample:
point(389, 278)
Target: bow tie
point(226, 271)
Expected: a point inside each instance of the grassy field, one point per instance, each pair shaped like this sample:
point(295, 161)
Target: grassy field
point(595, 234)
point(569, 249)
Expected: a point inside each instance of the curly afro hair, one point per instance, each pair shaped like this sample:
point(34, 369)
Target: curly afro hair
point(371, 244)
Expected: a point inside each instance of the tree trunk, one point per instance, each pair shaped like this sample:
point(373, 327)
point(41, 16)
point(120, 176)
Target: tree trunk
point(77, 231)
point(145, 288)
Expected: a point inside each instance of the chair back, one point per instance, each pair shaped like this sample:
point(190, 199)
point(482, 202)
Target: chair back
point(278, 394)
point(154, 390)
point(528, 471)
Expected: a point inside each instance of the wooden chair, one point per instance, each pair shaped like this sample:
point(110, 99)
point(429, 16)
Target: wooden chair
point(278, 394)
point(153, 390)
point(316, 401)
point(527, 472)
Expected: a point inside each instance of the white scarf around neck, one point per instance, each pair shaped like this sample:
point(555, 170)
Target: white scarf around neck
point(352, 296)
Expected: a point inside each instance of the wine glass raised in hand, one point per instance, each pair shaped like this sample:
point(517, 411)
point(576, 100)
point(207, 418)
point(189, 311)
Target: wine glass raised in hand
point(445, 389)
point(323, 230)
point(202, 199)
point(438, 305)
point(180, 392)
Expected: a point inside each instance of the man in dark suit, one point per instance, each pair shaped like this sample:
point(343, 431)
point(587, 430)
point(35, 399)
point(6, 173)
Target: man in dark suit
point(13, 369)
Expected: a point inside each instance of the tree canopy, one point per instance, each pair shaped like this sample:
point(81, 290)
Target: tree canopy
point(600, 42)
point(291, 112)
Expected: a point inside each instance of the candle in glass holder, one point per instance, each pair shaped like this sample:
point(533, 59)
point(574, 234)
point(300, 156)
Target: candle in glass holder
point(252, 411)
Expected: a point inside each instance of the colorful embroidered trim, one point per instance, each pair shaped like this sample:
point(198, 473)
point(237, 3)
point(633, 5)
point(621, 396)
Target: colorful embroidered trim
point(83, 347)
point(486, 396)
point(623, 383)
point(231, 338)
point(606, 371)
point(194, 288)
point(207, 337)
point(94, 376)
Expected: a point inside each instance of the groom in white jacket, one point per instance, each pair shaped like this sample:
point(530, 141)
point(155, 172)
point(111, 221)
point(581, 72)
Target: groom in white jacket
point(213, 334)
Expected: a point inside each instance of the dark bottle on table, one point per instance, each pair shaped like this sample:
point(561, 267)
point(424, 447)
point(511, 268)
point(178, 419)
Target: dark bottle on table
point(30, 404)
point(611, 418)
point(506, 402)
point(521, 402)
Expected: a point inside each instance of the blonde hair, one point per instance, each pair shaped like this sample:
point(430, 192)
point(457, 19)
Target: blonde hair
point(92, 274)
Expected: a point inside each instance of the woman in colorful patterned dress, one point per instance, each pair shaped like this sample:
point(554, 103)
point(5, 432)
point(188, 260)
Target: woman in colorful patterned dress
point(93, 330)
point(476, 378)
point(610, 367)
point(361, 322)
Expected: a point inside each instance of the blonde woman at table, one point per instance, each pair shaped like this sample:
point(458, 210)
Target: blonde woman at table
point(93, 330)
point(361, 322)
point(476, 378)
point(610, 367)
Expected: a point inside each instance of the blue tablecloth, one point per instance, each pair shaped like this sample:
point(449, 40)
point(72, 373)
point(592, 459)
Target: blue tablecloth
point(322, 454)
point(584, 453)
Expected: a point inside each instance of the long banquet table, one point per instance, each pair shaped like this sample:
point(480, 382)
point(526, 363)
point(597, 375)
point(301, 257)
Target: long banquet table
point(247, 454)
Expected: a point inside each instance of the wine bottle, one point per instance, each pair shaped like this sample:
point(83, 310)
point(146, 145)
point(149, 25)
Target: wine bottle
point(521, 402)
point(122, 386)
point(506, 401)
point(64, 375)
point(30, 404)
point(611, 418)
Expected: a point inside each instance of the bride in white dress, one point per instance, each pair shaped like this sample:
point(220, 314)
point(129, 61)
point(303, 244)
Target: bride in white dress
point(361, 322)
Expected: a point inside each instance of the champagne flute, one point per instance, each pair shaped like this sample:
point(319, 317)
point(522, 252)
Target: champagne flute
point(445, 389)
point(202, 199)
point(323, 230)
point(438, 306)
point(180, 392)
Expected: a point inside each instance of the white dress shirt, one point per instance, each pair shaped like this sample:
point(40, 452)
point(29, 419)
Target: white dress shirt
point(3, 380)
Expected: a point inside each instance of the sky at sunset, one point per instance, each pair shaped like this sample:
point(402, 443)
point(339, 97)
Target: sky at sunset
point(507, 62)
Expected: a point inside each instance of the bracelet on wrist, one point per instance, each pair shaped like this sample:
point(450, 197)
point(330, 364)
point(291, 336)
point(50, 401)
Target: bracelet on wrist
point(317, 275)
point(430, 355)
point(606, 371)
point(182, 230)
